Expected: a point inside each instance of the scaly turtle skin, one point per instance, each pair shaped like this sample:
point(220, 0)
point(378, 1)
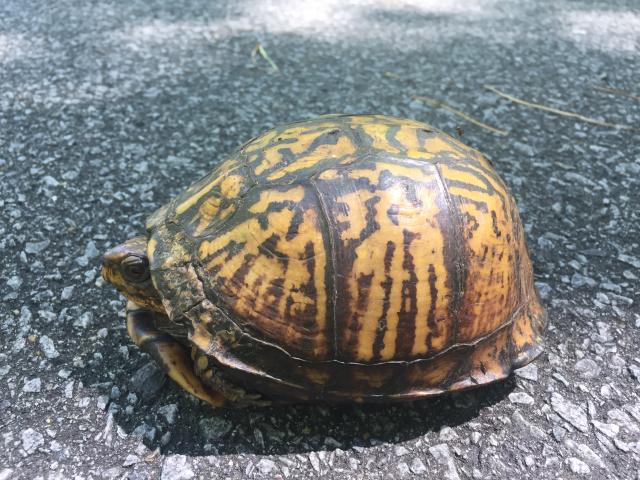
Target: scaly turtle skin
point(345, 258)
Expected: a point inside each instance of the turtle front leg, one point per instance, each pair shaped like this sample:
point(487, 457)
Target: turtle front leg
point(170, 354)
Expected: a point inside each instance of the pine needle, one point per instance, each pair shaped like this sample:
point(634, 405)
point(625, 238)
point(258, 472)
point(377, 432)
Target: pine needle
point(557, 111)
point(439, 104)
point(259, 50)
point(617, 91)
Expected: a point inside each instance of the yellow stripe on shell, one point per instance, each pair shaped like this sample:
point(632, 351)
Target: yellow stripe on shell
point(437, 145)
point(378, 134)
point(151, 250)
point(303, 137)
point(342, 148)
point(260, 143)
point(218, 177)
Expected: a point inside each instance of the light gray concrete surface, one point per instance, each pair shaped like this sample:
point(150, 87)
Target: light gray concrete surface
point(108, 109)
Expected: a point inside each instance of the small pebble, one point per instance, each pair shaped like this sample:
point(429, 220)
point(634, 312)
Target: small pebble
point(176, 467)
point(417, 466)
point(528, 372)
point(31, 440)
point(265, 466)
point(102, 402)
point(214, 429)
point(442, 455)
point(572, 413)
point(521, 398)
point(48, 348)
point(400, 451)
point(36, 247)
point(32, 386)
point(131, 460)
point(587, 368)
point(169, 412)
point(67, 292)
point(578, 467)
point(447, 434)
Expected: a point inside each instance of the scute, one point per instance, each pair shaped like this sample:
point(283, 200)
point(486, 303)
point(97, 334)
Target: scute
point(388, 226)
point(206, 204)
point(268, 269)
point(351, 257)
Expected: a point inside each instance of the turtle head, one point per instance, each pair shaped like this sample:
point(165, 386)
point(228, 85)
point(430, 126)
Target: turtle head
point(127, 268)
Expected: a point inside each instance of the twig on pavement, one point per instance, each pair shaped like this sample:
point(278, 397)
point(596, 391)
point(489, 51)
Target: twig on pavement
point(259, 50)
point(557, 111)
point(439, 104)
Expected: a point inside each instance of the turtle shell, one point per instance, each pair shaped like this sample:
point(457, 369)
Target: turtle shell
point(350, 258)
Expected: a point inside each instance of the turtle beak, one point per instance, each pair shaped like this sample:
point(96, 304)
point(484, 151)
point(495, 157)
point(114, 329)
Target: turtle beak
point(113, 257)
point(109, 257)
point(108, 260)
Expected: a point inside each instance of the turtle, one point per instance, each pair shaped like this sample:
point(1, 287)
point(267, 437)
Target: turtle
point(346, 258)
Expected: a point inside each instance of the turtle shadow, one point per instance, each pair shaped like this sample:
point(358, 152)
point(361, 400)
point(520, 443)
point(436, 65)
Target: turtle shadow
point(176, 423)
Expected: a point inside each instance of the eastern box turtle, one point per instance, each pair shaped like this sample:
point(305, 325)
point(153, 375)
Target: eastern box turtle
point(345, 258)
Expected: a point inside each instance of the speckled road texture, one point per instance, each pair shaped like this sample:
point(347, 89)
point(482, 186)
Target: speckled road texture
point(108, 109)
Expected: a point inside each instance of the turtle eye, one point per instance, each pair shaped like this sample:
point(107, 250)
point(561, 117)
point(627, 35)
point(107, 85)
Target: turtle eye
point(135, 269)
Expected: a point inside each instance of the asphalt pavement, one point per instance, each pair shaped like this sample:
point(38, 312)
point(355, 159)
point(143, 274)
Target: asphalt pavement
point(109, 109)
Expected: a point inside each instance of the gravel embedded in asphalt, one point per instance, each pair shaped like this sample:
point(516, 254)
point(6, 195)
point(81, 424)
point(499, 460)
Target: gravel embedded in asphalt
point(109, 109)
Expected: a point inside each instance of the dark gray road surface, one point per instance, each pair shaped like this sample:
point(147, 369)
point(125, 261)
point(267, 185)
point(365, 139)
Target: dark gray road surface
point(108, 109)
